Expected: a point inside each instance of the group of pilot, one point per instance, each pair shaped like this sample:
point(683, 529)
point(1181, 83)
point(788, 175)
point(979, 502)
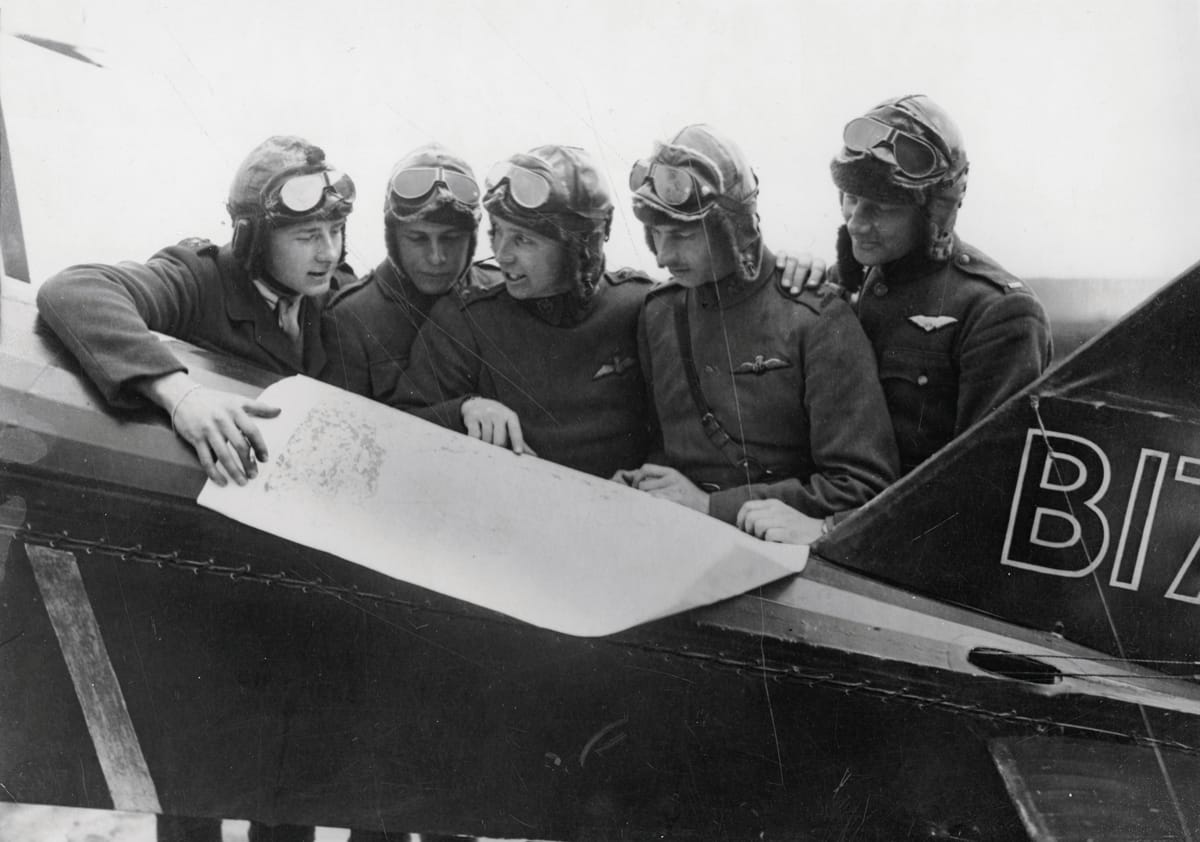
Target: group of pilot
point(779, 401)
point(775, 403)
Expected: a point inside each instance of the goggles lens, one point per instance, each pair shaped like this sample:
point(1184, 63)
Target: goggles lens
point(528, 189)
point(677, 186)
point(417, 182)
point(913, 156)
point(305, 193)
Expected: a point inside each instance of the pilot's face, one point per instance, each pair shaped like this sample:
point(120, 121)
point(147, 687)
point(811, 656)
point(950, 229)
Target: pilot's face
point(881, 232)
point(434, 255)
point(303, 257)
point(532, 264)
point(692, 254)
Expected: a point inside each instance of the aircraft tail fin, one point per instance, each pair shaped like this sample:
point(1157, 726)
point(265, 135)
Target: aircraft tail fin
point(1074, 506)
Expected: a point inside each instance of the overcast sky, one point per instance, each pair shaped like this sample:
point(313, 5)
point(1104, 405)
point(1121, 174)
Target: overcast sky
point(1081, 118)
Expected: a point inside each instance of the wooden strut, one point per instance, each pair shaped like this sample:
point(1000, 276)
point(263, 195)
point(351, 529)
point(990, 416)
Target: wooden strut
point(108, 722)
point(787, 673)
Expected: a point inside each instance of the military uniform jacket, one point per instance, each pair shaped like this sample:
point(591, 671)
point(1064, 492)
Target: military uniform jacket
point(793, 379)
point(953, 340)
point(194, 291)
point(572, 379)
point(368, 329)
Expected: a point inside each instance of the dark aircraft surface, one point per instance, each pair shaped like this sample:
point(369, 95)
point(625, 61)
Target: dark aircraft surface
point(1001, 646)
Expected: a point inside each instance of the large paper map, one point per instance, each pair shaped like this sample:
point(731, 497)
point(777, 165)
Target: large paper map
point(516, 534)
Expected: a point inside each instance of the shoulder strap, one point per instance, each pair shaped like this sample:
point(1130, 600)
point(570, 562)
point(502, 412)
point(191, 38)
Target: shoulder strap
point(733, 449)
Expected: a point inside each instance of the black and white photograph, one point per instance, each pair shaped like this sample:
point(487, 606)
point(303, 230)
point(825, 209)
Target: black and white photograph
point(593, 421)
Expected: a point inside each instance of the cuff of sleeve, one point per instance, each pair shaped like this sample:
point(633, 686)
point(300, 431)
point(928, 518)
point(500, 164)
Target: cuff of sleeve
point(447, 414)
point(725, 505)
point(129, 395)
point(837, 517)
point(456, 422)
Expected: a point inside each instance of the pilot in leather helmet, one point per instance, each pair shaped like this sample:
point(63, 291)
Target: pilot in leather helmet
point(755, 391)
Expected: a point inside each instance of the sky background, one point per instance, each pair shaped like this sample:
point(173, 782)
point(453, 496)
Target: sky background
point(1080, 117)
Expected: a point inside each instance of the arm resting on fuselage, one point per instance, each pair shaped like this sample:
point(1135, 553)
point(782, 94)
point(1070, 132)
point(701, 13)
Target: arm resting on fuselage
point(104, 314)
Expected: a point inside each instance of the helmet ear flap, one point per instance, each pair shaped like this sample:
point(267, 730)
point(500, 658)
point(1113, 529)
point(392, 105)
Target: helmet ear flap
point(243, 241)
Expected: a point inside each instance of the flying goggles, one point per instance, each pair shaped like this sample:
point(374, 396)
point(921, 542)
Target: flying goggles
point(527, 188)
point(677, 186)
point(302, 194)
point(531, 189)
point(417, 182)
point(912, 155)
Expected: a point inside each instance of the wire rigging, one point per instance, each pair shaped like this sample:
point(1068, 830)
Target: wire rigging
point(1055, 460)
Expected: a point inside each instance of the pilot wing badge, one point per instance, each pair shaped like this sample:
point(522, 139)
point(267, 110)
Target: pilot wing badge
point(761, 365)
point(931, 323)
point(615, 365)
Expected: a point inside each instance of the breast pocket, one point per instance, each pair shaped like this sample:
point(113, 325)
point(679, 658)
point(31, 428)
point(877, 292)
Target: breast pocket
point(913, 368)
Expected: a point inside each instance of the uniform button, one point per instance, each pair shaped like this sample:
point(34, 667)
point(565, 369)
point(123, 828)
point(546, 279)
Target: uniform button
point(964, 259)
point(880, 290)
point(710, 369)
point(922, 380)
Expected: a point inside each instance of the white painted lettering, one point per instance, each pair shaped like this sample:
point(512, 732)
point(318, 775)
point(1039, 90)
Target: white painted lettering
point(1058, 510)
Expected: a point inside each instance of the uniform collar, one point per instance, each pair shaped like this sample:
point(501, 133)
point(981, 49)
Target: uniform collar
point(244, 302)
point(269, 294)
point(566, 309)
point(247, 299)
point(398, 286)
point(731, 289)
point(913, 266)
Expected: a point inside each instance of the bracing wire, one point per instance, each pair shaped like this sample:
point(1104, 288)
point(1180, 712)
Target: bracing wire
point(1174, 796)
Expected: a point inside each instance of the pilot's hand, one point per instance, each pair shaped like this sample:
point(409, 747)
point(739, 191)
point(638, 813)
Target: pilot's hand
point(627, 476)
point(774, 520)
point(669, 484)
point(800, 271)
point(494, 423)
point(220, 427)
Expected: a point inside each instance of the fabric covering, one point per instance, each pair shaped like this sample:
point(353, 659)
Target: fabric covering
point(1098, 542)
